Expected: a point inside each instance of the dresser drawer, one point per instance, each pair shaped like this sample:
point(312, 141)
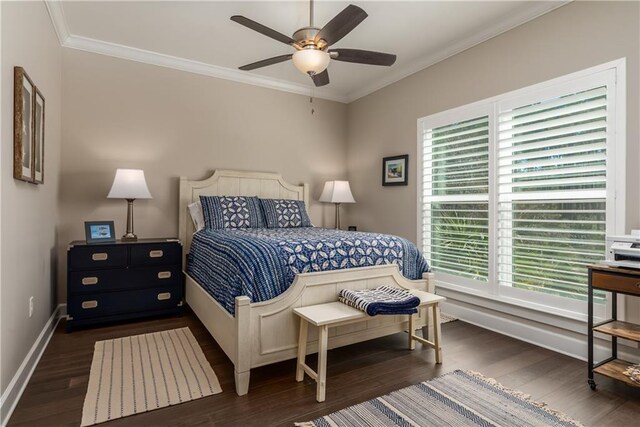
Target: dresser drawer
point(122, 279)
point(114, 303)
point(155, 276)
point(156, 254)
point(615, 283)
point(95, 257)
point(97, 280)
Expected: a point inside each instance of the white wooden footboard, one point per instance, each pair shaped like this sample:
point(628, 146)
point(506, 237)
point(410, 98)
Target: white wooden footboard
point(267, 332)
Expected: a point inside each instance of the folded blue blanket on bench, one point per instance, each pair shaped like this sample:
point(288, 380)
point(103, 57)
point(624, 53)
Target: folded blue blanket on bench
point(381, 300)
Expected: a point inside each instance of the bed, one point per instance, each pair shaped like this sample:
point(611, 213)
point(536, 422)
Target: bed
point(254, 334)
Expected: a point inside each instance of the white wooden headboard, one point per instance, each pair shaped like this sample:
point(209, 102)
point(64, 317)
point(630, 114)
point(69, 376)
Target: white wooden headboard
point(233, 183)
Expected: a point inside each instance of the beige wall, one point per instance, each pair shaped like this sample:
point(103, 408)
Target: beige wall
point(571, 38)
point(29, 212)
point(170, 123)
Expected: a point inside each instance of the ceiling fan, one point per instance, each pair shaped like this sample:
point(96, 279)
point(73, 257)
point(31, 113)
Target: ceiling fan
point(312, 54)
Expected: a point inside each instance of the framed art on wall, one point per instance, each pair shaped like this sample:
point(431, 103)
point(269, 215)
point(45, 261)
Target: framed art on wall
point(38, 138)
point(23, 98)
point(99, 232)
point(395, 170)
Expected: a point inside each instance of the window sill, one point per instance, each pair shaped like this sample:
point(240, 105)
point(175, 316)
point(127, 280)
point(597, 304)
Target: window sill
point(549, 315)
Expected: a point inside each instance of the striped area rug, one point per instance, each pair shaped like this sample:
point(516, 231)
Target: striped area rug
point(145, 372)
point(459, 398)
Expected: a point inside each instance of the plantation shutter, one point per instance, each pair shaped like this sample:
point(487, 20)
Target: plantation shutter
point(552, 191)
point(455, 198)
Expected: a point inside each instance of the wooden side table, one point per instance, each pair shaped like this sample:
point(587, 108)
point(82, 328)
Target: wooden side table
point(615, 280)
point(332, 314)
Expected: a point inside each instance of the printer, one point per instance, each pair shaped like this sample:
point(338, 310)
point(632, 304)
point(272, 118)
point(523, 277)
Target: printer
point(623, 251)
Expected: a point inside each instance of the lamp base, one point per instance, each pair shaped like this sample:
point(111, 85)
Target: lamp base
point(129, 237)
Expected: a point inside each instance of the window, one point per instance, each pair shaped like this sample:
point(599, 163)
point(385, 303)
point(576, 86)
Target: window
point(552, 192)
point(456, 209)
point(519, 191)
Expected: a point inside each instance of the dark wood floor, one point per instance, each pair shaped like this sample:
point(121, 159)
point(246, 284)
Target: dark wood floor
point(55, 394)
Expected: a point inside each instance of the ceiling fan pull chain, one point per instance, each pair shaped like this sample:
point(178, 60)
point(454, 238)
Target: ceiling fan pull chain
point(311, 100)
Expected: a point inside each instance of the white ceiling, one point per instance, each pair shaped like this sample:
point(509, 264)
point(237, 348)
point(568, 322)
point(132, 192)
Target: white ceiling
point(200, 37)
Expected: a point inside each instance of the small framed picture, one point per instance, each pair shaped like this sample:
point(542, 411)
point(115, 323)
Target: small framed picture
point(395, 170)
point(99, 231)
point(38, 138)
point(23, 99)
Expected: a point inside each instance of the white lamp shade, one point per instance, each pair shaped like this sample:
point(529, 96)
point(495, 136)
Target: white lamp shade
point(337, 192)
point(311, 61)
point(129, 184)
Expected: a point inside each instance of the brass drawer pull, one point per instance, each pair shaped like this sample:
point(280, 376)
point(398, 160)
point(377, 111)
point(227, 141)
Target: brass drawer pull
point(156, 254)
point(164, 296)
point(89, 281)
point(100, 256)
point(638, 285)
point(89, 304)
point(164, 275)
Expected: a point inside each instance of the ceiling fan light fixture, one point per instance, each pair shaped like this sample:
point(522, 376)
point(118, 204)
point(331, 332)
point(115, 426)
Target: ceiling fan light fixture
point(312, 55)
point(311, 61)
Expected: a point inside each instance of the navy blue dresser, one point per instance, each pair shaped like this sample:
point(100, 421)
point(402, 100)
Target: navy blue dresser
point(123, 280)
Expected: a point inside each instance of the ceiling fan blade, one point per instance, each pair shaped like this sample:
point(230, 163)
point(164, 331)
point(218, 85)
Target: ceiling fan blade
point(363, 57)
point(265, 62)
point(341, 24)
point(321, 79)
point(262, 29)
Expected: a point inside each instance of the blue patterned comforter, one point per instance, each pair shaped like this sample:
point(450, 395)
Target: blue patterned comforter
point(262, 263)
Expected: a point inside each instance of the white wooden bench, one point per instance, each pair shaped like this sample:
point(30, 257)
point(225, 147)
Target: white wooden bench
point(332, 314)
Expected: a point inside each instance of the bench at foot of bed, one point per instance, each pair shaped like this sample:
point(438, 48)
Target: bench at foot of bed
point(334, 314)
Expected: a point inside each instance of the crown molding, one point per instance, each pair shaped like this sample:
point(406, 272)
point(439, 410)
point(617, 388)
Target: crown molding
point(86, 44)
point(489, 33)
point(59, 20)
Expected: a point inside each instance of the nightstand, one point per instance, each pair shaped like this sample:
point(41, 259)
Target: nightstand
point(123, 280)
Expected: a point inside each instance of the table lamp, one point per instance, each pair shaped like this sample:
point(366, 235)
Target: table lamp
point(337, 192)
point(129, 184)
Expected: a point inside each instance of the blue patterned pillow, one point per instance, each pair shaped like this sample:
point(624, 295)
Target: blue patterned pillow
point(280, 213)
point(231, 212)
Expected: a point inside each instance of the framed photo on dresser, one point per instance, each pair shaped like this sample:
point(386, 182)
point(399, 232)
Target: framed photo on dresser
point(99, 232)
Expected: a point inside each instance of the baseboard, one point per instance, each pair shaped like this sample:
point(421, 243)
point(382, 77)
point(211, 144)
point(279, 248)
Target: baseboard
point(16, 387)
point(62, 311)
point(568, 342)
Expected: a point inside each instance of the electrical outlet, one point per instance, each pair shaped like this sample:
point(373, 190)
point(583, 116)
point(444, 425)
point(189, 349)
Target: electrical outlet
point(30, 306)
